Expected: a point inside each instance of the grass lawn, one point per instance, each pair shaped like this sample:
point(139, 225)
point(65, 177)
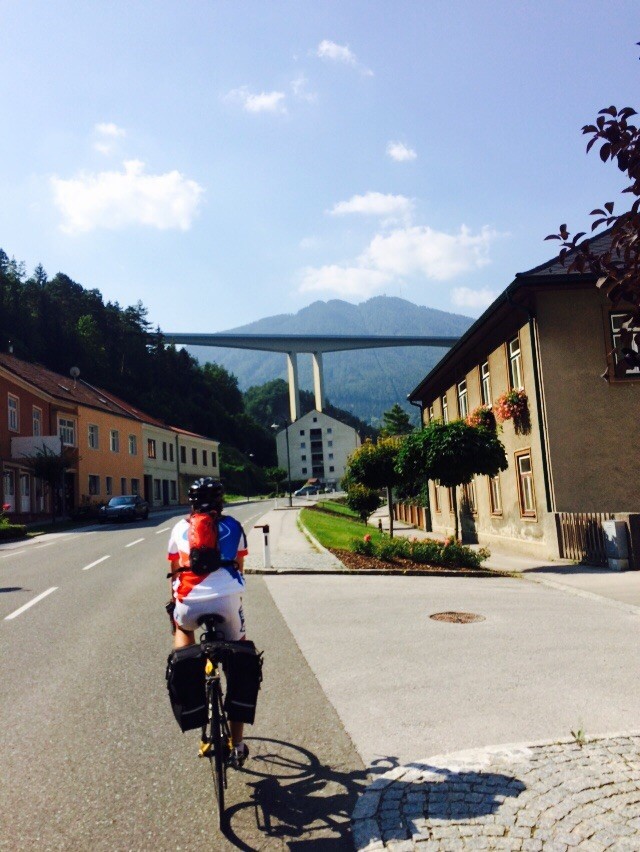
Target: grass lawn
point(335, 529)
point(337, 508)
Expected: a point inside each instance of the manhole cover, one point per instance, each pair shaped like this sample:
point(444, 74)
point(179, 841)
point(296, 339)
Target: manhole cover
point(457, 617)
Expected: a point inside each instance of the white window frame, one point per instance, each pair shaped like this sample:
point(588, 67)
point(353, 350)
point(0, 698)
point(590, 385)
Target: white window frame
point(133, 445)
point(516, 377)
point(526, 486)
point(495, 494)
point(463, 399)
point(93, 436)
point(445, 408)
point(152, 451)
point(114, 440)
point(615, 324)
point(13, 412)
point(485, 383)
point(67, 431)
point(36, 421)
point(94, 485)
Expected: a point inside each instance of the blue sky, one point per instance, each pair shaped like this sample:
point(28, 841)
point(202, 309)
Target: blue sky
point(227, 161)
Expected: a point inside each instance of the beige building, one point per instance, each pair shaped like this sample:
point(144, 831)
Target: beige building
point(553, 335)
point(319, 446)
point(196, 456)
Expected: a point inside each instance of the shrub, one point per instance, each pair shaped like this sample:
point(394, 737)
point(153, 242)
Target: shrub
point(10, 531)
point(363, 501)
point(447, 554)
point(363, 546)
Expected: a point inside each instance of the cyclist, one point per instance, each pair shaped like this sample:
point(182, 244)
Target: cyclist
point(218, 592)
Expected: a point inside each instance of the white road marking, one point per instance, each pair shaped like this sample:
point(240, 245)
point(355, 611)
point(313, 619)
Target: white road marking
point(97, 562)
point(38, 546)
point(31, 603)
point(164, 529)
point(131, 543)
point(14, 553)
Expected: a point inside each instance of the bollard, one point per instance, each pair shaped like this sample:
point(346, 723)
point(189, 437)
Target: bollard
point(266, 553)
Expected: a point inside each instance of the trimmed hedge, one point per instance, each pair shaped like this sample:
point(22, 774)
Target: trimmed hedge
point(10, 531)
point(447, 554)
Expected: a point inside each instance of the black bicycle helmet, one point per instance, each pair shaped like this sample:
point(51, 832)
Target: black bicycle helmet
point(206, 495)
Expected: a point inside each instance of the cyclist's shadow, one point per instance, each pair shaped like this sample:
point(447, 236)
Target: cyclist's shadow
point(291, 794)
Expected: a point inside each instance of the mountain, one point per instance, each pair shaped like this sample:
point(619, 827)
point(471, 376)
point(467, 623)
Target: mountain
point(365, 382)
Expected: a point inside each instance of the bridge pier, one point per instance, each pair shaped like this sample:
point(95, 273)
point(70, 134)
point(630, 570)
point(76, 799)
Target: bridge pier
point(318, 380)
point(294, 389)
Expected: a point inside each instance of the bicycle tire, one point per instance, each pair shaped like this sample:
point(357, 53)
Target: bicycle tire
point(217, 751)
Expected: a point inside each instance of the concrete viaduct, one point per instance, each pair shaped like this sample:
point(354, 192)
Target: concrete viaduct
point(292, 345)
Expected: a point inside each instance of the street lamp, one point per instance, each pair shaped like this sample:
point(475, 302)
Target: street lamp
point(285, 423)
point(247, 475)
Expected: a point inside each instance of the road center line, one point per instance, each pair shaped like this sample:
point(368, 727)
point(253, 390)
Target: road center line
point(131, 543)
point(97, 562)
point(31, 603)
point(38, 546)
point(164, 529)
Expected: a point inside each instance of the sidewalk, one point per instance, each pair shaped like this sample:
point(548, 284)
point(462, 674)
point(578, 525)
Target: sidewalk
point(621, 586)
point(542, 796)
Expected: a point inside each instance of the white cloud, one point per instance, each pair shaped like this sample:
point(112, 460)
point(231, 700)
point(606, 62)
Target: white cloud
point(399, 152)
point(130, 197)
point(340, 53)
point(374, 204)
point(420, 250)
point(108, 133)
point(347, 280)
point(263, 102)
point(464, 297)
point(416, 253)
point(300, 91)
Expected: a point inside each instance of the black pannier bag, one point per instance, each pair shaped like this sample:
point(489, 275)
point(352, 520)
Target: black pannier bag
point(243, 669)
point(185, 682)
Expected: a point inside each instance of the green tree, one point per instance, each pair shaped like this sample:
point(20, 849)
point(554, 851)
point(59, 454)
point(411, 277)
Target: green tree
point(49, 467)
point(451, 454)
point(396, 421)
point(374, 466)
point(363, 501)
point(275, 475)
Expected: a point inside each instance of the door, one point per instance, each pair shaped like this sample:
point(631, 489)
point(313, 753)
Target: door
point(25, 492)
point(165, 492)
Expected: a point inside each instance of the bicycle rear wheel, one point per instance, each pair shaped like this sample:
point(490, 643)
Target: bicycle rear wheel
point(218, 758)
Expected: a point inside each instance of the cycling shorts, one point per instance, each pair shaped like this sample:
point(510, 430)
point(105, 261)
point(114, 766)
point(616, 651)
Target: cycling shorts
point(187, 613)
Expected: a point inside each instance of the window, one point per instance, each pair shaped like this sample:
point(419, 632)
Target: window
point(304, 470)
point(67, 431)
point(93, 436)
point(515, 364)
point(135, 486)
point(430, 414)
point(330, 456)
point(632, 342)
point(463, 408)
point(329, 431)
point(133, 445)
point(194, 456)
point(204, 458)
point(174, 491)
point(469, 493)
point(485, 384)
point(303, 445)
point(164, 451)
point(331, 469)
point(450, 499)
point(156, 489)
point(315, 419)
point(170, 452)
point(214, 459)
point(302, 431)
point(303, 458)
point(151, 448)
point(495, 496)
point(445, 410)
point(123, 485)
point(436, 497)
point(109, 485)
point(525, 485)
point(183, 455)
point(13, 413)
point(94, 485)
point(37, 421)
point(115, 442)
point(329, 443)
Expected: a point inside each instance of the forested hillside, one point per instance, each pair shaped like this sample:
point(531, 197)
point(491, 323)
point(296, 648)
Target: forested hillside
point(366, 382)
point(60, 324)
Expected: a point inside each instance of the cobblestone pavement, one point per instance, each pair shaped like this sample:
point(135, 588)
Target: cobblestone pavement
point(552, 797)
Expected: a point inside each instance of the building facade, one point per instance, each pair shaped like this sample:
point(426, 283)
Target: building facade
point(552, 335)
point(319, 446)
point(196, 456)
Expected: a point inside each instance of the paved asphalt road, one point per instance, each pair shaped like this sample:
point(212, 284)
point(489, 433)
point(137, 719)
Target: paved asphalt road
point(91, 756)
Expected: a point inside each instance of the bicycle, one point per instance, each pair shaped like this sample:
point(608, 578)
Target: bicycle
point(216, 743)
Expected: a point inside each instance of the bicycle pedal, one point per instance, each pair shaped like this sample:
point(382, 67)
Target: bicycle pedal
point(204, 750)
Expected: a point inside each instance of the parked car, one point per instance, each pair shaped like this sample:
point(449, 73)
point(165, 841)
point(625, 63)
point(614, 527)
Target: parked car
point(126, 508)
point(306, 491)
